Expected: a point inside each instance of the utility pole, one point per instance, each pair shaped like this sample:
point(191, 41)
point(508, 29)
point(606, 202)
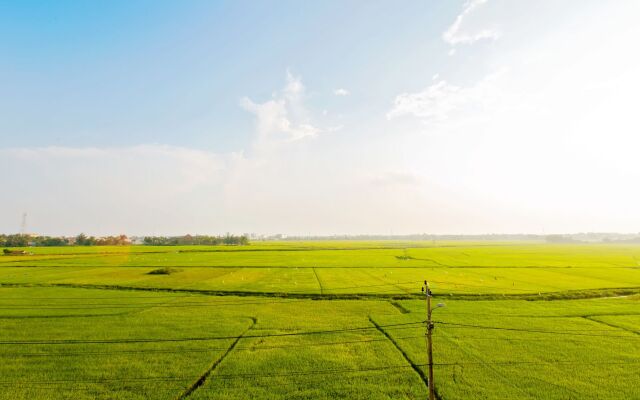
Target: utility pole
point(430, 327)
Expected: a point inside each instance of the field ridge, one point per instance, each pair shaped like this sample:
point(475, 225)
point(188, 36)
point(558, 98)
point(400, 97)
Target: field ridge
point(315, 273)
point(415, 366)
point(592, 319)
point(203, 378)
point(575, 294)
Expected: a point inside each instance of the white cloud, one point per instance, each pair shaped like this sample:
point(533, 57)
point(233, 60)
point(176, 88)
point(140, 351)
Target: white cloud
point(284, 116)
point(460, 33)
point(341, 92)
point(549, 143)
point(442, 101)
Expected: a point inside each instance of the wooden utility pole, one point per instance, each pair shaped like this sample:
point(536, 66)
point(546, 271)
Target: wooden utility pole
point(430, 326)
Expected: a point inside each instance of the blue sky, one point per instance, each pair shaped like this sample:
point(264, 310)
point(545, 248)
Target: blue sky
point(168, 117)
point(123, 73)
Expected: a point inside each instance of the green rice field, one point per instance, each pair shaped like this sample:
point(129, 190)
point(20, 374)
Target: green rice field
point(321, 320)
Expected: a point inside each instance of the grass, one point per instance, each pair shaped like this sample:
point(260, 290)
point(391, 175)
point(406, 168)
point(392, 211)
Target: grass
point(298, 320)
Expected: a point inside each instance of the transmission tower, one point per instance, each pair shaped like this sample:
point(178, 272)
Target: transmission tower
point(23, 226)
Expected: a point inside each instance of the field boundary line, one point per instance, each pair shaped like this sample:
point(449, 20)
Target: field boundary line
point(431, 261)
point(387, 283)
point(318, 279)
point(63, 316)
point(414, 366)
point(171, 249)
point(578, 294)
point(592, 319)
point(471, 351)
point(10, 264)
point(163, 304)
point(222, 293)
point(402, 309)
point(203, 378)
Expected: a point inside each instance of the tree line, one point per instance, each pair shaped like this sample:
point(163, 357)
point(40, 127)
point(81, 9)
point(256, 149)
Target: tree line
point(24, 241)
point(19, 240)
point(84, 240)
point(230, 240)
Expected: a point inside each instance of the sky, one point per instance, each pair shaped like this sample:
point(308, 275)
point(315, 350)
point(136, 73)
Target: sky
point(319, 118)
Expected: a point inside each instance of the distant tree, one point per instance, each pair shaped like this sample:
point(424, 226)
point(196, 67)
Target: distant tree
point(16, 241)
point(81, 239)
point(200, 240)
point(559, 239)
point(84, 240)
point(50, 241)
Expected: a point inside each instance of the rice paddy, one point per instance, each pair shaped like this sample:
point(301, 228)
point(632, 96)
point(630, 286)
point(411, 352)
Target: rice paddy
point(320, 320)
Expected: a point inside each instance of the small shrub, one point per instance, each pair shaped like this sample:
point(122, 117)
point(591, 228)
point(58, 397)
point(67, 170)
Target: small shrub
point(163, 271)
point(8, 252)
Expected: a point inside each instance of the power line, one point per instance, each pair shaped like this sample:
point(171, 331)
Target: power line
point(143, 305)
point(217, 376)
point(56, 385)
point(510, 339)
point(541, 316)
point(528, 330)
point(531, 291)
point(310, 291)
point(152, 296)
point(563, 332)
point(252, 348)
point(204, 292)
point(559, 362)
point(199, 350)
point(154, 340)
point(317, 372)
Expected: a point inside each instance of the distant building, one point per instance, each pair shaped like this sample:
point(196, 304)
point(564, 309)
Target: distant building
point(136, 239)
